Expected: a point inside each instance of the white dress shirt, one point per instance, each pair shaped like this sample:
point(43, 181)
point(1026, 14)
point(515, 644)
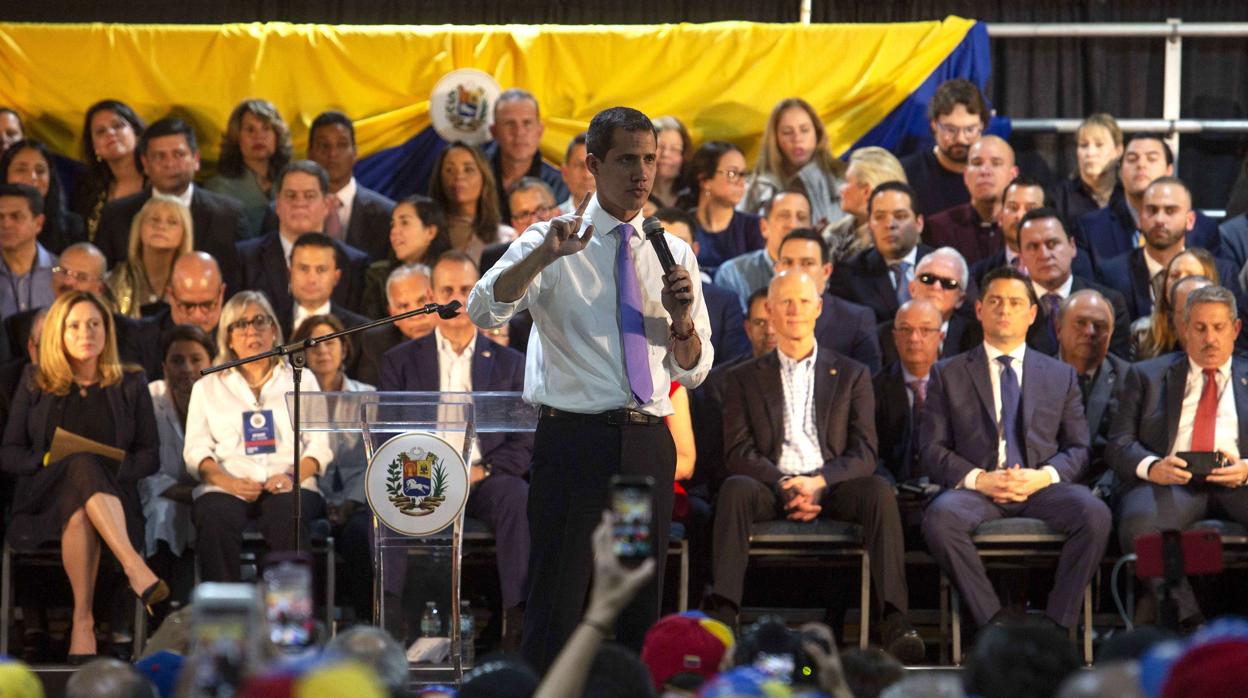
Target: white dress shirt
point(455, 376)
point(301, 314)
point(184, 198)
point(346, 199)
point(575, 360)
point(995, 369)
point(1062, 291)
point(1226, 424)
point(909, 259)
point(166, 519)
point(800, 452)
point(214, 427)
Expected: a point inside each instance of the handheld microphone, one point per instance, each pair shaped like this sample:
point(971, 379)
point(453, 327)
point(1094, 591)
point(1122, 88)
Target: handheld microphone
point(450, 310)
point(653, 228)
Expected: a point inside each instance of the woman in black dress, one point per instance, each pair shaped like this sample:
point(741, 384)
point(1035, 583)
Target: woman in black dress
point(80, 386)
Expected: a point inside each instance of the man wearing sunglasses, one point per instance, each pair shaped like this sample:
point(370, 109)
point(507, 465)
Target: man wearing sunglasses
point(958, 114)
point(941, 280)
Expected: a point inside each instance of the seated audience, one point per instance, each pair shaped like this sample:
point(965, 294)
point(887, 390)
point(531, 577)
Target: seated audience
point(1176, 403)
point(1003, 431)
point(1098, 147)
point(1157, 334)
point(315, 274)
point(1021, 195)
point(170, 157)
point(30, 162)
point(408, 288)
point(357, 215)
point(794, 154)
point(462, 185)
point(717, 172)
point(160, 233)
point(255, 148)
point(239, 444)
point(195, 293)
point(80, 386)
point(844, 327)
point(11, 128)
point(869, 167)
point(958, 115)
point(901, 388)
point(517, 131)
point(940, 278)
point(1120, 227)
point(1166, 220)
point(674, 149)
point(414, 227)
point(302, 190)
point(1085, 324)
point(972, 228)
point(576, 174)
point(466, 362)
point(879, 278)
point(1048, 254)
point(110, 131)
point(25, 264)
point(785, 463)
point(530, 200)
point(747, 273)
point(166, 494)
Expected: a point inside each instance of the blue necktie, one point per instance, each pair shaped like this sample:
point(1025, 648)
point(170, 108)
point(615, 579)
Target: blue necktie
point(903, 285)
point(632, 321)
point(1010, 399)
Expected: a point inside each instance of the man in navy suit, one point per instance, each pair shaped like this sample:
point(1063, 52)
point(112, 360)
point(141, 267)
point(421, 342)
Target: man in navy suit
point(302, 191)
point(1118, 228)
point(879, 277)
point(458, 358)
point(844, 327)
point(940, 279)
point(362, 215)
point(901, 388)
point(315, 271)
point(1196, 400)
point(1086, 322)
point(1003, 430)
point(1167, 220)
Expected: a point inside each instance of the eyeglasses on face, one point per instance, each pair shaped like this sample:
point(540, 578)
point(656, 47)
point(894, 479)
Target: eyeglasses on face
point(260, 322)
point(733, 175)
point(947, 284)
point(952, 131)
point(923, 332)
point(80, 276)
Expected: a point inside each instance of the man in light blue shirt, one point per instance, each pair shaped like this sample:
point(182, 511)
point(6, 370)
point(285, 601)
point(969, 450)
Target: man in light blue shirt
point(749, 272)
point(25, 266)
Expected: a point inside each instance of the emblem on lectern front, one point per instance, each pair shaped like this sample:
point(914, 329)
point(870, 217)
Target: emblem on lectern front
point(416, 482)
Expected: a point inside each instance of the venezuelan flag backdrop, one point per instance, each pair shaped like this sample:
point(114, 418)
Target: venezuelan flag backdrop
point(869, 82)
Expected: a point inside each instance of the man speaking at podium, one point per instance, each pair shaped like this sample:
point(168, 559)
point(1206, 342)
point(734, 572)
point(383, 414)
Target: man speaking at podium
point(612, 333)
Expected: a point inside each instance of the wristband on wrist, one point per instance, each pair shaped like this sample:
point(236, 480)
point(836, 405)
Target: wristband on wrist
point(601, 629)
point(682, 337)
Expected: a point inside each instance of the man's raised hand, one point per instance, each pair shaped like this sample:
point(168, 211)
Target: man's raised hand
point(564, 237)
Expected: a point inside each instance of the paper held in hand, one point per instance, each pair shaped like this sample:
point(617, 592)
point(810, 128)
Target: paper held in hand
point(66, 443)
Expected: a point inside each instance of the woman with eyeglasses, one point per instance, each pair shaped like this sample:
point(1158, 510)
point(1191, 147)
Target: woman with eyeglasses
point(160, 232)
point(794, 154)
point(240, 444)
point(722, 231)
point(110, 133)
point(77, 498)
point(29, 162)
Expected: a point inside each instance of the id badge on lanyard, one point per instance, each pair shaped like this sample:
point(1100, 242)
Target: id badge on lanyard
point(259, 436)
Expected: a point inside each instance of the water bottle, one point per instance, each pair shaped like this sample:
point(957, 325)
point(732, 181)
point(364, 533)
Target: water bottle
point(431, 621)
point(467, 633)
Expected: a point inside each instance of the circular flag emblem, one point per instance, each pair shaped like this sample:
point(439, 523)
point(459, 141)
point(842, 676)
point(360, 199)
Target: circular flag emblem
point(462, 105)
point(417, 484)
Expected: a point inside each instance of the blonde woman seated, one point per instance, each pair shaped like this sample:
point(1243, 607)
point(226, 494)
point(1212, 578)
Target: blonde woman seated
point(80, 499)
point(161, 232)
point(1156, 334)
point(240, 444)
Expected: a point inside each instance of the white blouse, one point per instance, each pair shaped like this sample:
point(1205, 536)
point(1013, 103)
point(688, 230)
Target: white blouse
point(214, 427)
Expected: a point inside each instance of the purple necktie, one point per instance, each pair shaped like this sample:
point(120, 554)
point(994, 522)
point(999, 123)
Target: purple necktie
point(632, 321)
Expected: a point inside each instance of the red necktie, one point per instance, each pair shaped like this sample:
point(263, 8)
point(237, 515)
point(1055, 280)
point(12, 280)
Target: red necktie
point(1206, 413)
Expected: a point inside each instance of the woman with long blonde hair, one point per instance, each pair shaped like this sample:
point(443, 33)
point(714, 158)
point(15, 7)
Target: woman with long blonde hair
point(160, 232)
point(1156, 334)
point(72, 496)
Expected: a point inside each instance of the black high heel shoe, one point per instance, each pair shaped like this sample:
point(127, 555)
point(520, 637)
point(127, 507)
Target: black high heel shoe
point(154, 594)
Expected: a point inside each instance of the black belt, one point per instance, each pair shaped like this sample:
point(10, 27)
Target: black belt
point(613, 417)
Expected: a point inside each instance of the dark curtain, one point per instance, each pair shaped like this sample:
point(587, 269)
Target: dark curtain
point(1031, 77)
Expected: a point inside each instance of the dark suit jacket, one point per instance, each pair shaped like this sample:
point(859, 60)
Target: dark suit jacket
point(371, 345)
point(1150, 403)
point(138, 340)
point(865, 279)
point(1038, 336)
point(727, 323)
point(1128, 274)
point(962, 334)
point(706, 411)
point(960, 227)
point(1081, 266)
point(1233, 234)
point(263, 268)
point(958, 430)
point(218, 220)
point(1107, 233)
point(849, 329)
point(1099, 407)
point(894, 424)
point(413, 365)
point(369, 226)
point(844, 416)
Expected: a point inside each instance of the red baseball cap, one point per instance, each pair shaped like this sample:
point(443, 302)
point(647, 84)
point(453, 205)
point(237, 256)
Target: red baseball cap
point(685, 643)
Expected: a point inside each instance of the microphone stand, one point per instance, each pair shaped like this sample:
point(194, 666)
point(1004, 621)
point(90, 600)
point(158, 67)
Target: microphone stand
point(296, 351)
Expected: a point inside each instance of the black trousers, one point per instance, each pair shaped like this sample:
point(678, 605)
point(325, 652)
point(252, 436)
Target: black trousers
point(220, 519)
point(573, 462)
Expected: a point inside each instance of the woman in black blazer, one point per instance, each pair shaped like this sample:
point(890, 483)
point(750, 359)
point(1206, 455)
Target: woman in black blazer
point(80, 386)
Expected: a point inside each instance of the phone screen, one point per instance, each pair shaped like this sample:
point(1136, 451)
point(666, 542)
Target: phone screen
point(288, 604)
point(632, 506)
point(223, 631)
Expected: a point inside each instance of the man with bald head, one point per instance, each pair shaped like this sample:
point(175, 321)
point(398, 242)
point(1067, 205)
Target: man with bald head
point(195, 292)
point(901, 388)
point(1167, 222)
point(1086, 322)
point(799, 441)
point(972, 228)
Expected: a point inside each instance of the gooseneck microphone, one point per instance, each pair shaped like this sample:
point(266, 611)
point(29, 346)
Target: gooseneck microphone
point(653, 228)
point(450, 310)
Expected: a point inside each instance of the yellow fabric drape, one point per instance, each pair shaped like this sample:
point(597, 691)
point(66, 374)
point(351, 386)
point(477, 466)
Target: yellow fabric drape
point(721, 79)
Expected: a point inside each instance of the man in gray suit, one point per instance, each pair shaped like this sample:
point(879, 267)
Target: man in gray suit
point(1003, 430)
point(1085, 324)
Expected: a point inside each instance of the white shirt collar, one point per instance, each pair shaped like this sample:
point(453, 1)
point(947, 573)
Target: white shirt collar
point(1017, 353)
point(909, 377)
point(184, 198)
point(1063, 291)
point(908, 259)
point(445, 347)
point(1224, 371)
point(347, 194)
point(789, 364)
point(301, 314)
